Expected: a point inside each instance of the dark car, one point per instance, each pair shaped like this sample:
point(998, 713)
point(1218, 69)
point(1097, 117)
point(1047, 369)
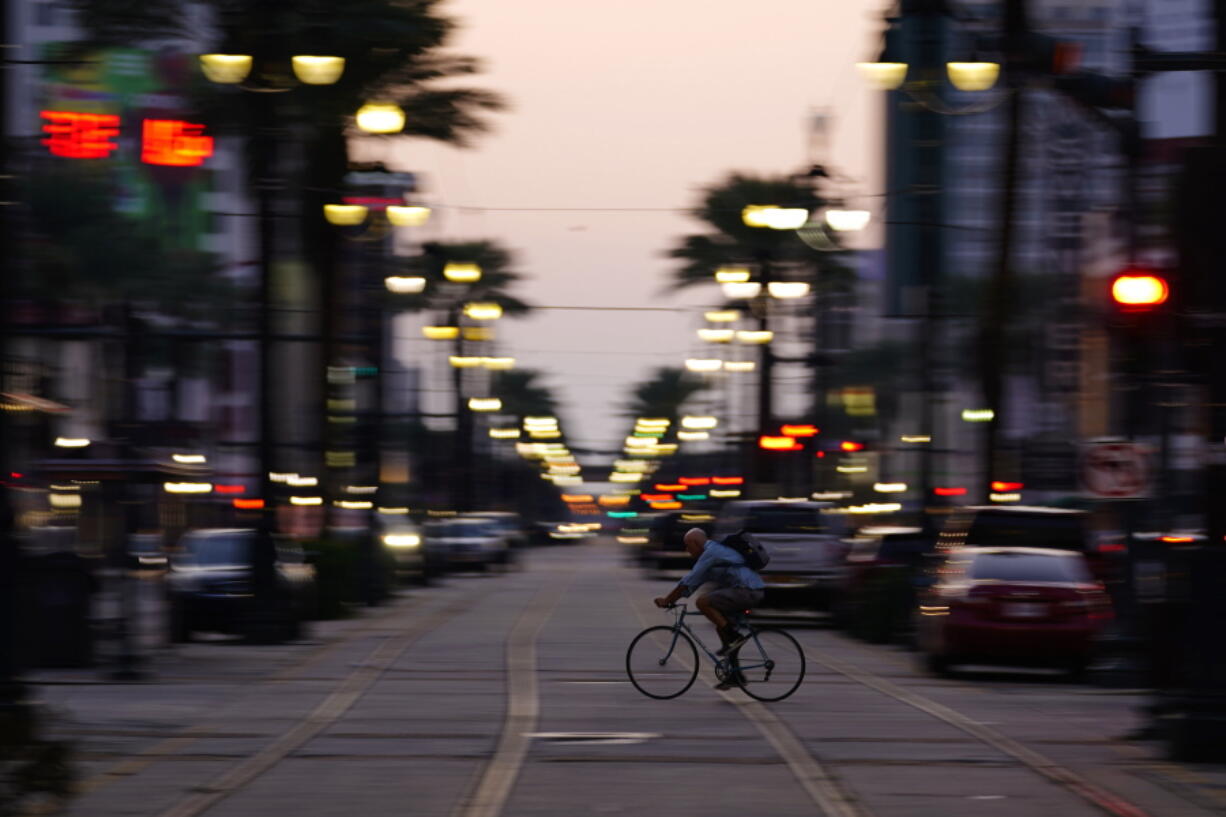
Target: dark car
point(877, 594)
point(1013, 606)
point(665, 548)
point(1024, 526)
point(210, 585)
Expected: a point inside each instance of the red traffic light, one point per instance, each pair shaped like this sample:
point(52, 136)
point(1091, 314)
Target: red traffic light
point(1138, 289)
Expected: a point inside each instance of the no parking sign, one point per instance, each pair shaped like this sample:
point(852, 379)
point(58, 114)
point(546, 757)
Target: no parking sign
point(1115, 470)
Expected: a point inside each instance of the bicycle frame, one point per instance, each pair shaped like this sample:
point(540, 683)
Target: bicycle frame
point(719, 662)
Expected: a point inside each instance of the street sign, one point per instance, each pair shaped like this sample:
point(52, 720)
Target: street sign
point(1115, 470)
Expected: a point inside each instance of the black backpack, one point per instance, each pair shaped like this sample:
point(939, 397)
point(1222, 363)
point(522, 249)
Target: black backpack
point(754, 553)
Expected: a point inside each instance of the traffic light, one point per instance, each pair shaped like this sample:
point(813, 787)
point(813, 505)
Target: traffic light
point(1139, 290)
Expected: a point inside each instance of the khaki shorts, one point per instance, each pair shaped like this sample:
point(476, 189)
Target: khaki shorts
point(734, 599)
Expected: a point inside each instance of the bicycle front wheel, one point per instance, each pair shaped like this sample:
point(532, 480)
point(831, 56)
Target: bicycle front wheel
point(769, 666)
point(662, 662)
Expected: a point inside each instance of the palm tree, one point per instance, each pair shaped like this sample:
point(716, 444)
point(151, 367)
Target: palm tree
point(522, 395)
point(664, 394)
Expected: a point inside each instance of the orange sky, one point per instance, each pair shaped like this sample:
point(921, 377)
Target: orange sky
point(634, 104)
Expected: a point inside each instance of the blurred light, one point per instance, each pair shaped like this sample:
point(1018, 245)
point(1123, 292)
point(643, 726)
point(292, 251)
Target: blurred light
point(694, 481)
point(653, 422)
point(825, 496)
point(531, 422)
point(187, 487)
point(405, 285)
point(623, 514)
point(345, 215)
point(724, 493)
point(315, 70)
point(727, 480)
point(225, 69)
point(380, 117)
point(798, 430)
point(296, 481)
point(463, 362)
point(1007, 497)
point(306, 500)
point(755, 335)
point(852, 469)
point(498, 363)
point(188, 459)
point(544, 434)
point(393, 511)
point(174, 143)
point(441, 332)
point(889, 487)
point(669, 486)
point(695, 422)
point(633, 466)
point(875, 507)
point(885, 76)
point(623, 476)
point(666, 506)
point(220, 488)
point(478, 333)
point(354, 504)
point(578, 498)
point(716, 335)
point(846, 221)
point(1000, 485)
point(71, 442)
point(978, 415)
point(567, 480)
point(64, 501)
point(722, 315)
point(632, 540)
point(915, 438)
point(401, 540)
point(695, 364)
point(248, 504)
point(973, 76)
point(366, 490)
point(612, 501)
point(504, 433)
point(483, 311)
point(693, 436)
point(851, 445)
point(407, 215)
point(773, 217)
point(951, 490)
point(462, 272)
point(747, 290)
point(739, 365)
point(75, 135)
point(771, 443)
point(732, 275)
point(691, 497)
point(1174, 540)
point(484, 403)
point(787, 289)
point(1139, 290)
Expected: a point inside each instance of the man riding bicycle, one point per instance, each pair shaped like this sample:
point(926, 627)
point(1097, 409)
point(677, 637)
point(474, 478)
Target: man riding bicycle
point(739, 587)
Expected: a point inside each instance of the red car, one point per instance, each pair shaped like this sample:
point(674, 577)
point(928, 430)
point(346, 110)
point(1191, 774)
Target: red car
point(1011, 605)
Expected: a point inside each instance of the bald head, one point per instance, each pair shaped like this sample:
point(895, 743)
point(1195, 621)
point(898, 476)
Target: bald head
point(695, 539)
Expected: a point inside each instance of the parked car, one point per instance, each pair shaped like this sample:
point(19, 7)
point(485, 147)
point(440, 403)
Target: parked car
point(1011, 605)
point(511, 524)
point(145, 552)
point(210, 585)
point(806, 545)
point(403, 539)
point(665, 549)
point(466, 542)
point(1023, 526)
point(878, 589)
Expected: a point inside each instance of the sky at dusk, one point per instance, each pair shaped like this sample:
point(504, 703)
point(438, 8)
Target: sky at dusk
point(620, 113)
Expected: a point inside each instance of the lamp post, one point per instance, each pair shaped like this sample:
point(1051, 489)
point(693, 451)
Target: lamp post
point(264, 79)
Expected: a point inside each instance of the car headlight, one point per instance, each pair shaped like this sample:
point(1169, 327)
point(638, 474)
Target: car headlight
point(401, 540)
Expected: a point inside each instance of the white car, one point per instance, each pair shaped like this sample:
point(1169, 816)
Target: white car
point(467, 542)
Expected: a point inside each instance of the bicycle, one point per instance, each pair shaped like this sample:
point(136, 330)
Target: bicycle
point(662, 661)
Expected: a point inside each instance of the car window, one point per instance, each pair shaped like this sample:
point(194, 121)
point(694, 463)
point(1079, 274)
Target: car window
point(1027, 567)
point(784, 519)
point(1027, 530)
point(219, 549)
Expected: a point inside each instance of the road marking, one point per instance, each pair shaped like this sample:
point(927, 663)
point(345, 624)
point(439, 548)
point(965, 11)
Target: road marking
point(1043, 765)
point(823, 788)
point(594, 738)
point(326, 713)
point(523, 705)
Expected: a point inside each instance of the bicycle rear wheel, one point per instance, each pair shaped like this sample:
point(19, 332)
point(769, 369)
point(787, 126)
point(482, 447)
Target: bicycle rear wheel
point(769, 666)
point(662, 662)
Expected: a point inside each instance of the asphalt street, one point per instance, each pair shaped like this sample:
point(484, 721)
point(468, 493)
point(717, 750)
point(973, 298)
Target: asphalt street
point(506, 694)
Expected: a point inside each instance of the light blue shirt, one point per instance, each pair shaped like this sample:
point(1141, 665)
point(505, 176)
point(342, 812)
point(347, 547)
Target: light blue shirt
point(722, 565)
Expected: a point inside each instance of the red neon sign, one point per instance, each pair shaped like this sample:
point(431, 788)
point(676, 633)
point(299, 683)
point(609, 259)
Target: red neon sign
point(80, 135)
point(174, 142)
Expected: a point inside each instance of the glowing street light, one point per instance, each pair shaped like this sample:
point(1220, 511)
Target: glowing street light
point(732, 275)
point(317, 70)
point(462, 272)
point(405, 285)
point(380, 117)
point(408, 215)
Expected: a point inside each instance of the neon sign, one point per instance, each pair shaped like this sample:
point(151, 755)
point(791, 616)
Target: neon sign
point(171, 142)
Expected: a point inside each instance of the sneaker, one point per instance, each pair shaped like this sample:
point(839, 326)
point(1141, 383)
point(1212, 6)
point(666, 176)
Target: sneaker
point(726, 685)
point(736, 640)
